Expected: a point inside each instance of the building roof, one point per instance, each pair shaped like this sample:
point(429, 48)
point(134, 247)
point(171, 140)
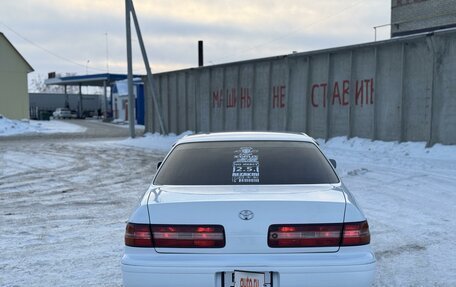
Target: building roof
point(95, 80)
point(17, 52)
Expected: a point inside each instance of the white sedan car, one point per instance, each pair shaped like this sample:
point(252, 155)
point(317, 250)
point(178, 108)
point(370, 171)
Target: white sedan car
point(247, 209)
point(62, 113)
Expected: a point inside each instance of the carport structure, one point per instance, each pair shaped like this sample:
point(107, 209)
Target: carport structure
point(95, 80)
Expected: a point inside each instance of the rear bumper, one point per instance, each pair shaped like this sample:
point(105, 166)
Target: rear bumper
point(344, 268)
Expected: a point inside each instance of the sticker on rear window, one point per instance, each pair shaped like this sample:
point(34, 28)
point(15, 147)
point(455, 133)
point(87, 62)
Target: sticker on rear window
point(246, 167)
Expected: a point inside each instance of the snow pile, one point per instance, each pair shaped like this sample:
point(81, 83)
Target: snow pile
point(14, 127)
point(9, 127)
point(405, 149)
point(154, 141)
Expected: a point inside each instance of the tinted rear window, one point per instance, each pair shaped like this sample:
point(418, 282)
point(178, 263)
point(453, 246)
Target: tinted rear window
point(245, 162)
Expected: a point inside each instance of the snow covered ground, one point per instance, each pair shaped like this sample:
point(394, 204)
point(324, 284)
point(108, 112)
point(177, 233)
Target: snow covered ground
point(14, 127)
point(153, 141)
point(63, 206)
point(408, 194)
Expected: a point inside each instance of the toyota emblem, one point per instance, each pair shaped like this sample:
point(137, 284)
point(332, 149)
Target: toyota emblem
point(246, 215)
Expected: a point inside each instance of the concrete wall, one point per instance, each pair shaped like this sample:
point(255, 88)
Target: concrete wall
point(401, 89)
point(412, 16)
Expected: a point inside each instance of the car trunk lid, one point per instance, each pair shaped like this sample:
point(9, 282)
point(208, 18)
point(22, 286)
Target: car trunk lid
point(246, 212)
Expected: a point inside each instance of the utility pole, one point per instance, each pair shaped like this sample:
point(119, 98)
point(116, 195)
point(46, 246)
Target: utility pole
point(150, 78)
point(129, 8)
point(131, 97)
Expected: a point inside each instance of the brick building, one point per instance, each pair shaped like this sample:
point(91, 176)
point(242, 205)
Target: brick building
point(416, 16)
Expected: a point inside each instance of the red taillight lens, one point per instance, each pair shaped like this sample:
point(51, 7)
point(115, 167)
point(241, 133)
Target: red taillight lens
point(138, 235)
point(304, 235)
point(188, 236)
point(175, 236)
point(319, 235)
point(356, 233)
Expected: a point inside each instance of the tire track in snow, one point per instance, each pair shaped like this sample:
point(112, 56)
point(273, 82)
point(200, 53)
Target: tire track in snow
point(58, 216)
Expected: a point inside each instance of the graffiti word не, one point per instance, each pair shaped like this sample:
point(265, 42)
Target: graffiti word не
point(339, 93)
point(231, 98)
point(278, 97)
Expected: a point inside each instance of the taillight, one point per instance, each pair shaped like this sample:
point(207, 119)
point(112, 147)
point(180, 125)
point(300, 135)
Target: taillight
point(318, 235)
point(188, 236)
point(356, 233)
point(304, 235)
point(175, 236)
point(138, 235)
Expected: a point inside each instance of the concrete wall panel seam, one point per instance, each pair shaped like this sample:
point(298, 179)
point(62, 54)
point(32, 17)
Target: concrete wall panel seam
point(328, 99)
point(288, 93)
point(307, 96)
point(352, 97)
point(375, 108)
point(268, 101)
point(402, 102)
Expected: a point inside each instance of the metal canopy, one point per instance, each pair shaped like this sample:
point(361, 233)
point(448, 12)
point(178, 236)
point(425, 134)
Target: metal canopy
point(95, 80)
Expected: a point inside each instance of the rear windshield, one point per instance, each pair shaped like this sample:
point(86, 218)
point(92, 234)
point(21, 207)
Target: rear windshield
point(245, 162)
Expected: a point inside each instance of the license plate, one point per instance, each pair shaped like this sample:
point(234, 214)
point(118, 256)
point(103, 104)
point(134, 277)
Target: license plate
point(248, 279)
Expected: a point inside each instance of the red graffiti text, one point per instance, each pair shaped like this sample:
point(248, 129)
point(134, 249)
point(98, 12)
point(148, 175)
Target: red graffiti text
point(322, 94)
point(278, 97)
point(231, 98)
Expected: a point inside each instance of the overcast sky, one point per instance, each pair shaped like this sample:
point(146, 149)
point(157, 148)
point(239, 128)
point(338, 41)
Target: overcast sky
point(71, 36)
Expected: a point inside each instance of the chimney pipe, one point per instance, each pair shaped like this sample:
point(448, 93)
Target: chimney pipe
point(200, 54)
